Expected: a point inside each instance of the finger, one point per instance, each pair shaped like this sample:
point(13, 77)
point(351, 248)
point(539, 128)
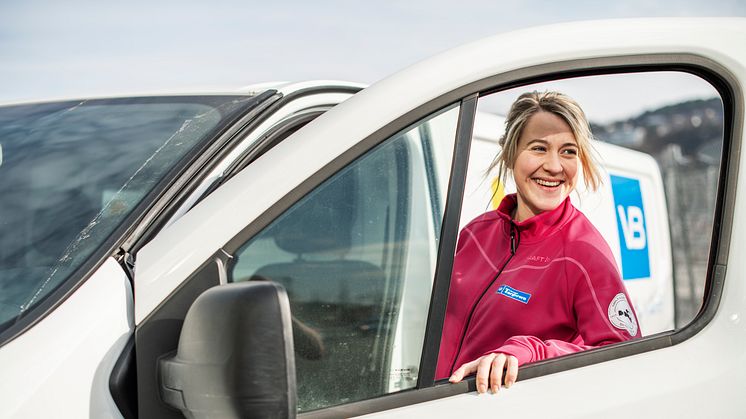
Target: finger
point(512, 371)
point(496, 375)
point(457, 375)
point(483, 372)
point(463, 370)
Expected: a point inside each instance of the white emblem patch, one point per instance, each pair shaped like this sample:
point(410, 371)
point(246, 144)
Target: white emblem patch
point(621, 315)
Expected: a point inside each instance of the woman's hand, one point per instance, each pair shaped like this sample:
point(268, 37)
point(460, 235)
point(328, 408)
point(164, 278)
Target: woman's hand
point(492, 366)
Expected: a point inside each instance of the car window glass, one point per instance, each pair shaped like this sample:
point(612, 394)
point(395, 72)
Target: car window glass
point(658, 141)
point(357, 257)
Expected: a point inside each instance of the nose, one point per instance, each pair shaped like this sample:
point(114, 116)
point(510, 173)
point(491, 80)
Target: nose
point(552, 163)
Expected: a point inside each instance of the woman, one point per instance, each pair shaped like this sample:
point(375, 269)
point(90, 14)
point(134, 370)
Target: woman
point(534, 279)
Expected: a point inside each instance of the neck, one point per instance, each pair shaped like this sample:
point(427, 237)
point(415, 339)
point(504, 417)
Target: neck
point(522, 212)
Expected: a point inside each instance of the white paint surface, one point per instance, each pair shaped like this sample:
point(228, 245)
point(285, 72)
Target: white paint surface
point(60, 368)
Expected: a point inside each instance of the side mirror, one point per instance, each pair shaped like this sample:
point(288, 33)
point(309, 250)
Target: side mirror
point(235, 357)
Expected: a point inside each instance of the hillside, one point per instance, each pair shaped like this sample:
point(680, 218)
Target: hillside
point(692, 125)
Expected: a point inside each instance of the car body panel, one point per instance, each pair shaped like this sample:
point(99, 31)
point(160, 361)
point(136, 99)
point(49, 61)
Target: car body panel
point(61, 366)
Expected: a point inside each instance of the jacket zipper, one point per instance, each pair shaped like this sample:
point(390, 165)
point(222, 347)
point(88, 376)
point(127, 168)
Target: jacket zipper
point(514, 242)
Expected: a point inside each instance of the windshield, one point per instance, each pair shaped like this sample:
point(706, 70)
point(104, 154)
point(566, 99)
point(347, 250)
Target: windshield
point(71, 172)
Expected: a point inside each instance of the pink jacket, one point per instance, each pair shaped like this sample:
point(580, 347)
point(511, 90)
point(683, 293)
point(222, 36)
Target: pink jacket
point(544, 287)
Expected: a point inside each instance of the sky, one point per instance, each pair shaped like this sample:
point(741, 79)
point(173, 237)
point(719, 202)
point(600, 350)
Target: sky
point(631, 93)
point(76, 48)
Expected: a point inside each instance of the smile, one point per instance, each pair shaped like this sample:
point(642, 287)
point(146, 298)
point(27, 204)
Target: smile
point(547, 183)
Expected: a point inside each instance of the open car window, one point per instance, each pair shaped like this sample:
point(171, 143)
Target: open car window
point(658, 144)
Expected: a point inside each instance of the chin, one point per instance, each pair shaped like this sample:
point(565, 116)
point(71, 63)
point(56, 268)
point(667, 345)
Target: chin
point(541, 202)
point(548, 206)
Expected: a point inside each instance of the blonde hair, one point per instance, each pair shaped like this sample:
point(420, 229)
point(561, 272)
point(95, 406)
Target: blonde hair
point(556, 103)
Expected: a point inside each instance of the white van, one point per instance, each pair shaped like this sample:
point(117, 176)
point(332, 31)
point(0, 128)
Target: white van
point(165, 302)
point(629, 210)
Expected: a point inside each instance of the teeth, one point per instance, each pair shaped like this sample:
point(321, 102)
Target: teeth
point(547, 183)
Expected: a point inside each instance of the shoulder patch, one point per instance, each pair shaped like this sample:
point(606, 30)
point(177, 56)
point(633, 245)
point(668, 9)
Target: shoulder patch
point(621, 314)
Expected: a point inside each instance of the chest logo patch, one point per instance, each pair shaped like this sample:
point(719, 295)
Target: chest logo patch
point(540, 259)
point(513, 293)
point(621, 315)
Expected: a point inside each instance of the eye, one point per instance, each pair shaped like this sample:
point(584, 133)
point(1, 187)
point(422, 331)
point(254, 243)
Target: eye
point(570, 151)
point(538, 148)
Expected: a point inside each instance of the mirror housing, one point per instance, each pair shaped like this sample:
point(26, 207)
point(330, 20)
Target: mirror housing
point(235, 357)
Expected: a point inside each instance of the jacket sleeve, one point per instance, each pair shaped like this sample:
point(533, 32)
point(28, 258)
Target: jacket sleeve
point(600, 306)
point(531, 349)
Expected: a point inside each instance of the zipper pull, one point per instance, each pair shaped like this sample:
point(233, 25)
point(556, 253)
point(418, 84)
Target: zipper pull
point(512, 240)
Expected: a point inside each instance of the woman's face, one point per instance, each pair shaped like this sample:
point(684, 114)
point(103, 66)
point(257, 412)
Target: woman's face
point(546, 165)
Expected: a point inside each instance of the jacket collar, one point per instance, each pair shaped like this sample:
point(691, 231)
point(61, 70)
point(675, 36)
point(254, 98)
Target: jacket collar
point(538, 227)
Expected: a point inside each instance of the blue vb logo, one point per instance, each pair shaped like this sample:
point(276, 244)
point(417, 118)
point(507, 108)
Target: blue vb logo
point(633, 226)
point(630, 215)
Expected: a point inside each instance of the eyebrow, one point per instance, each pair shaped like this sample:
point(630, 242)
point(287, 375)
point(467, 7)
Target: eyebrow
point(545, 142)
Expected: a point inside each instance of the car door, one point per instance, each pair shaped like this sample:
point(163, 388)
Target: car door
point(357, 215)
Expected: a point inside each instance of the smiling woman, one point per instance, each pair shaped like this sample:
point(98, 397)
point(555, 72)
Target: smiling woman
point(544, 156)
point(546, 168)
point(536, 244)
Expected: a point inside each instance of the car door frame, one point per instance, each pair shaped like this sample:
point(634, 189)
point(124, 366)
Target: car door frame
point(727, 86)
point(429, 389)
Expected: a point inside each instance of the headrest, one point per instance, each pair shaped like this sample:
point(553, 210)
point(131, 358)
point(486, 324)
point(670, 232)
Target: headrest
point(322, 221)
